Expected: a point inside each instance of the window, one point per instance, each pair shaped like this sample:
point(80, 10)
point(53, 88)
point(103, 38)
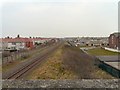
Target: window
point(13, 43)
point(112, 39)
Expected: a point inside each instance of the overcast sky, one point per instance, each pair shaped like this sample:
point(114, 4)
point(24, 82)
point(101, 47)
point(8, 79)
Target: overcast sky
point(59, 18)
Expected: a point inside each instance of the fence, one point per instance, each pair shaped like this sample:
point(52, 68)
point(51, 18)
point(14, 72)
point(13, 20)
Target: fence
point(113, 71)
point(23, 55)
point(15, 56)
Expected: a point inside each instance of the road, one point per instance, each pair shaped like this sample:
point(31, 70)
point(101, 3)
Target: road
point(23, 68)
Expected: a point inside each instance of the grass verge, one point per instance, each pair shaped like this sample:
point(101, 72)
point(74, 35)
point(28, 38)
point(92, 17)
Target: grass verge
point(100, 51)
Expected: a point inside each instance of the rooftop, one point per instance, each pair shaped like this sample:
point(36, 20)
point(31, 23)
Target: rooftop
point(117, 34)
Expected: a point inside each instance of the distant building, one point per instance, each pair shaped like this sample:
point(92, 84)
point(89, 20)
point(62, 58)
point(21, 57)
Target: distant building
point(40, 40)
point(114, 40)
point(93, 41)
point(19, 43)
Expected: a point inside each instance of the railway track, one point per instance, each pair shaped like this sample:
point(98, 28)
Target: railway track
point(35, 62)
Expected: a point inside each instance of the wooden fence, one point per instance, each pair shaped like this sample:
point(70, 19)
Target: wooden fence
point(15, 56)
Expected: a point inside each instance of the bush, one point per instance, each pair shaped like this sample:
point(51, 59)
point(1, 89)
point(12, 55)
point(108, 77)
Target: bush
point(25, 56)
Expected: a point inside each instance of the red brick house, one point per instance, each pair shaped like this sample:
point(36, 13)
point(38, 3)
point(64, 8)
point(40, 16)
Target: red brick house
point(114, 40)
point(18, 43)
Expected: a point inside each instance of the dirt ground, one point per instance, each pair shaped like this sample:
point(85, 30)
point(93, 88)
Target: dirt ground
point(82, 65)
point(69, 63)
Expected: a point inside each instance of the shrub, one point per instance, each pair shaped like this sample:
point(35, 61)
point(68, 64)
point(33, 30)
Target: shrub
point(25, 56)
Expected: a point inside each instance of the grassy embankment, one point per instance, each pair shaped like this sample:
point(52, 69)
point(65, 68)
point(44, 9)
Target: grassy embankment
point(53, 68)
point(68, 63)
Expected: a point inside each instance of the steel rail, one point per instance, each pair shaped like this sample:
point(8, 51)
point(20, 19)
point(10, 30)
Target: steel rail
point(26, 68)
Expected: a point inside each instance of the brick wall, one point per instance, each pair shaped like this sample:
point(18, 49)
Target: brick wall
point(114, 42)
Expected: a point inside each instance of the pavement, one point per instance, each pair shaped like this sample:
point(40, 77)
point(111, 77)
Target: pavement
point(113, 61)
point(87, 48)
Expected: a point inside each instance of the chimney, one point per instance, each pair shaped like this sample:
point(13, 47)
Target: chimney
point(18, 36)
point(8, 37)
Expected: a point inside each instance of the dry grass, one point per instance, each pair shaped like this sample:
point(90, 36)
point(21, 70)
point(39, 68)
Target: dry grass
point(0, 68)
point(53, 68)
point(9, 65)
point(69, 63)
point(100, 74)
point(82, 64)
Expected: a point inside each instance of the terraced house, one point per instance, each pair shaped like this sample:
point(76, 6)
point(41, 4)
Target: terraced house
point(20, 43)
point(17, 43)
point(114, 40)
